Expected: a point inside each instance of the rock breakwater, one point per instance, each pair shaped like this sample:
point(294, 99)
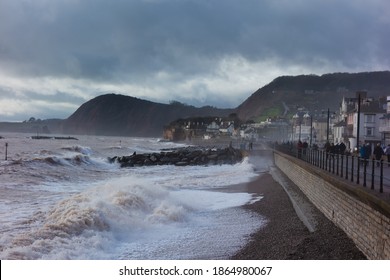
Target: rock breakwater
point(182, 157)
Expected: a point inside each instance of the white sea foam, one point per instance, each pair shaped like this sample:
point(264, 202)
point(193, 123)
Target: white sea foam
point(124, 213)
point(197, 177)
point(78, 149)
point(61, 201)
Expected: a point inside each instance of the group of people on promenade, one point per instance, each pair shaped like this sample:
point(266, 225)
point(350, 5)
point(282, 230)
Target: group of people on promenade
point(378, 153)
point(339, 148)
point(365, 151)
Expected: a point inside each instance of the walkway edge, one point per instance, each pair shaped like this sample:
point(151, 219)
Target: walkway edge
point(301, 207)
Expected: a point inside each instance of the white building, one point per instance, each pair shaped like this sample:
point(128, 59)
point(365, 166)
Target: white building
point(384, 124)
point(302, 127)
point(368, 119)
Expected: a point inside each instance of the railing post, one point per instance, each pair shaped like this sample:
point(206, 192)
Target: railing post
point(337, 164)
point(333, 162)
point(381, 179)
point(324, 160)
point(346, 167)
point(352, 163)
point(342, 166)
point(313, 157)
point(373, 174)
point(365, 173)
point(318, 158)
point(358, 172)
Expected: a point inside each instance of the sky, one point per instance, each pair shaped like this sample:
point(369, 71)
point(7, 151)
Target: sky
point(57, 54)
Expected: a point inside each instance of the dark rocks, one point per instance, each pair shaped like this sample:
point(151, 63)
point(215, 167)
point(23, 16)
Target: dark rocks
point(182, 157)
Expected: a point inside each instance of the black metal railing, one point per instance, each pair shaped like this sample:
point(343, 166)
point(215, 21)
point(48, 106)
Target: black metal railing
point(366, 172)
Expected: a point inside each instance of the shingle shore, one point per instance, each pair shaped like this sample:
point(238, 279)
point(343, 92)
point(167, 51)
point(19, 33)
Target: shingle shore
point(285, 236)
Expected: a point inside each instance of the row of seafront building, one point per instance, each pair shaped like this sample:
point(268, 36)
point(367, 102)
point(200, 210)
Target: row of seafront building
point(359, 118)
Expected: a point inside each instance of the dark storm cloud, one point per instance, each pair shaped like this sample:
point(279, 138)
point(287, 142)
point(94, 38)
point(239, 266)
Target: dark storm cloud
point(131, 42)
point(99, 39)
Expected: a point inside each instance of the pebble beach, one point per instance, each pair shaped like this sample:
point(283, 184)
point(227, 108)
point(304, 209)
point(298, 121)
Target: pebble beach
point(286, 234)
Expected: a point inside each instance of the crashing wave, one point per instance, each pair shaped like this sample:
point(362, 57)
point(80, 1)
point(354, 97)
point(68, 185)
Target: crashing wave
point(79, 149)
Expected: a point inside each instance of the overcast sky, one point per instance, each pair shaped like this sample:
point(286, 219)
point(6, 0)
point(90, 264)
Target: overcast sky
point(57, 54)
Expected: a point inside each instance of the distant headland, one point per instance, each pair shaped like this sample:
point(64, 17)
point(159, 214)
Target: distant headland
point(122, 115)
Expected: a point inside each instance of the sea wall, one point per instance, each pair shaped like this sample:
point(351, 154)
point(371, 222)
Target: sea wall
point(364, 217)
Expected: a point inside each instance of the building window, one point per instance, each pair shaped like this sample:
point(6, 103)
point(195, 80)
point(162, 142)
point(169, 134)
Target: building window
point(369, 131)
point(369, 118)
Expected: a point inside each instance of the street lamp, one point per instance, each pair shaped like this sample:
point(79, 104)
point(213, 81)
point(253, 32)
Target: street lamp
point(358, 121)
point(327, 123)
point(311, 129)
point(327, 127)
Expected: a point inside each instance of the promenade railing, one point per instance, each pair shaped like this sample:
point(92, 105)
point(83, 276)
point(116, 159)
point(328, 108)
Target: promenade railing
point(369, 173)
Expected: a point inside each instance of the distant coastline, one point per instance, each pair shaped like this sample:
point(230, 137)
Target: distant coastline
point(54, 137)
point(37, 127)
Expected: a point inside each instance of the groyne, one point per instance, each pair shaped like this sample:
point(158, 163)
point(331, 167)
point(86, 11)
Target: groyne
point(183, 156)
point(364, 217)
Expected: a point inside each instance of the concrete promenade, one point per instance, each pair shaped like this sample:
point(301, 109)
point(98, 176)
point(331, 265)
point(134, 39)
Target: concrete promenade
point(369, 175)
point(361, 212)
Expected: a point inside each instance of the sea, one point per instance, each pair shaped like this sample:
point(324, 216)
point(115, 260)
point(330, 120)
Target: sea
point(62, 199)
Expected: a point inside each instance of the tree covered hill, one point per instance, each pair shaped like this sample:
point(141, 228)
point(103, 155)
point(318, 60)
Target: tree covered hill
point(312, 92)
point(114, 114)
point(121, 115)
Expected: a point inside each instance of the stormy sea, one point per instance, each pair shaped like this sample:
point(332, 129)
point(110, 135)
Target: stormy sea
point(62, 199)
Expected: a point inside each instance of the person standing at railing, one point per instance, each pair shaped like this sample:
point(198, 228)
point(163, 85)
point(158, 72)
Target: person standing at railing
point(300, 147)
point(368, 153)
point(378, 153)
point(304, 147)
point(332, 149)
point(342, 148)
point(363, 153)
point(368, 149)
point(327, 147)
point(387, 152)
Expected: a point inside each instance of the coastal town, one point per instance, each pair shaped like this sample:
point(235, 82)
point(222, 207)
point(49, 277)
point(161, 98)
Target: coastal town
point(194, 139)
point(360, 119)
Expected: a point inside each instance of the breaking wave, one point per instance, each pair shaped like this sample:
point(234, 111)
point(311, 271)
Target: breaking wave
point(122, 211)
point(78, 149)
point(69, 202)
point(56, 160)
